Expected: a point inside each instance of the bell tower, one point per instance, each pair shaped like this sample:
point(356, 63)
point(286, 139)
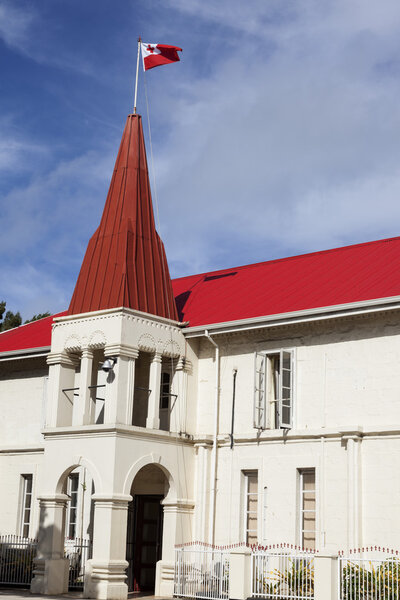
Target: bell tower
point(117, 383)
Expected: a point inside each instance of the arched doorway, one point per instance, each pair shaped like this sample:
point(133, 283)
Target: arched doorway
point(145, 527)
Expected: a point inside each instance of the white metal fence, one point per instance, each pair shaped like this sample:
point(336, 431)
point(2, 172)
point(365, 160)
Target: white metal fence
point(369, 574)
point(78, 551)
point(201, 572)
point(17, 554)
point(282, 571)
point(16, 559)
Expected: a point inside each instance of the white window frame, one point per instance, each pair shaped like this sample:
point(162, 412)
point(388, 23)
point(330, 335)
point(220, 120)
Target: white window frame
point(25, 494)
point(301, 511)
point(70, 507)
point(264, 405)
point(246, 474)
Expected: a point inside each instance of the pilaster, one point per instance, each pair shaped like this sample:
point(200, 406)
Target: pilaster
point(153, 409)
point(107, 569)
point(120, 384)
point(82, 410)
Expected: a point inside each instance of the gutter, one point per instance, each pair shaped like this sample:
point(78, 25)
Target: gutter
point(26, 353)
point(299, 316)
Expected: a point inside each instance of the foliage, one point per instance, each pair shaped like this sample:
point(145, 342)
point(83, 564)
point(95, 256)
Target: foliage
point(10, 320)
point(297, 580)
point(38, 316)
point(366, 584)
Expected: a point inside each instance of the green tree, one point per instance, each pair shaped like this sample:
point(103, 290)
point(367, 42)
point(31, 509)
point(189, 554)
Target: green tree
point(9, 320)
point(38, 316)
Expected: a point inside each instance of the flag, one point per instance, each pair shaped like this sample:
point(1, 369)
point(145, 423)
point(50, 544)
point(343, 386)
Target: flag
point(154, 55)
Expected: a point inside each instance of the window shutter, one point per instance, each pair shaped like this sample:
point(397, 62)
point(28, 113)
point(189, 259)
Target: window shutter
point(259, 409)
point(286, 389)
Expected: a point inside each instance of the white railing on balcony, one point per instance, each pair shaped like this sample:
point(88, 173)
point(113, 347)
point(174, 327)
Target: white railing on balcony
point(282, 571)
point(369, 574)
point(201, 571)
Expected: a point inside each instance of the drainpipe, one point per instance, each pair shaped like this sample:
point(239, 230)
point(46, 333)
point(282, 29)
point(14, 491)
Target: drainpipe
point(215, 443)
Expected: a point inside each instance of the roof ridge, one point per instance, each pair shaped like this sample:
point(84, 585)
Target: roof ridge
point(287, 258)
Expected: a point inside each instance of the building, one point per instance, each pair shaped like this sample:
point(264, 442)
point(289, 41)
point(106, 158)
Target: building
point(256, 404)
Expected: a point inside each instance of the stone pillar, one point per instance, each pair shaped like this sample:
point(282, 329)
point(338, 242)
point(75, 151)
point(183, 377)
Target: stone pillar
point(177, 521)
point(120, 386)
point(107, 569)
point(50, 574)
point(353, 491)
point(82, 410)
point(61, 376)
point(325, 577)
point(153, 408)
point(240, 573)
point(201, 484)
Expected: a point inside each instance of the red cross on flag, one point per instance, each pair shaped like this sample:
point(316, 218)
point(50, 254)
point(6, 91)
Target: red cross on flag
point(154, 55)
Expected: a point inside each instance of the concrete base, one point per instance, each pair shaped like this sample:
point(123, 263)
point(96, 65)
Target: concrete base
point(164, 579)
point(106, 581)
point(50, 576)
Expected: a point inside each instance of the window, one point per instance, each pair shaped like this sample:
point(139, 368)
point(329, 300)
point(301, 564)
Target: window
point(251, 507)
point(26, 504)
point(273, 390)
point(307, 508)
point(73, 489)
point(165, 400)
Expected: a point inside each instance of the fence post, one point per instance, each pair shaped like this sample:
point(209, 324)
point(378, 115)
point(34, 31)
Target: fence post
point(240, 573)
point(325, 577)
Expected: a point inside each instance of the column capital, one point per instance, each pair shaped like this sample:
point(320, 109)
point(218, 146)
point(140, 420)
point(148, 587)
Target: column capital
point(121, 350)
point(87, 353)
point(112, 500)
point(53, 500)
point(156, 357)
point(62, 358)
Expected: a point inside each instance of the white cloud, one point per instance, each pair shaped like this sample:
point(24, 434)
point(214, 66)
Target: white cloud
point(292, 142)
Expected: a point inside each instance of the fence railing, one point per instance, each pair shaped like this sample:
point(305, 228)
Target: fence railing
point(369, 574)
point(282, 572)
point(16, 559)
point(201, 572)
point(78, 551)
point(17, 555)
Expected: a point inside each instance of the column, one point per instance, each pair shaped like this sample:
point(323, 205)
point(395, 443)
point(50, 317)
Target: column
point(353, 491)
point(326, 577)
point(61, 376)
point(176, 529)
point(240, 573)
point(50, 574)
point(107, 569)
point(81, 414)
point(120, 385)
point(201, 483)
point(153, 408)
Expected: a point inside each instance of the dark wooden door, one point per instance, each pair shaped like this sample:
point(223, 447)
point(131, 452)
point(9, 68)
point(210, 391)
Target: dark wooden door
point(144, 538)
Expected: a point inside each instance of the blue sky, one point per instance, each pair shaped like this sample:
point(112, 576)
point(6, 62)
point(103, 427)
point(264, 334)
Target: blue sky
point(278, 132)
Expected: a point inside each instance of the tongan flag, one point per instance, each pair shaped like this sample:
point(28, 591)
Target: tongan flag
point(155, 55)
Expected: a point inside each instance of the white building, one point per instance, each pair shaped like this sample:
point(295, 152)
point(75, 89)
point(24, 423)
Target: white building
point(261, 407)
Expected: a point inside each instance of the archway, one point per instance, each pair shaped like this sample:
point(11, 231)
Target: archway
point(145, 527)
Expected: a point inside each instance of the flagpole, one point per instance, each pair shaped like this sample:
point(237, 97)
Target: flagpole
point(137, 74)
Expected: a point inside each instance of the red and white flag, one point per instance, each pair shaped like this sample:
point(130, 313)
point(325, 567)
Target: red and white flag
point(154, 55)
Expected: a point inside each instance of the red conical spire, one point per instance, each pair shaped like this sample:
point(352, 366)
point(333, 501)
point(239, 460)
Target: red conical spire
point(125, 262)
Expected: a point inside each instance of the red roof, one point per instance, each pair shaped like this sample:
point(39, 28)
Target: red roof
point(125, 262)
point(320, 279)
point(349, 274)
point(32, 335)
